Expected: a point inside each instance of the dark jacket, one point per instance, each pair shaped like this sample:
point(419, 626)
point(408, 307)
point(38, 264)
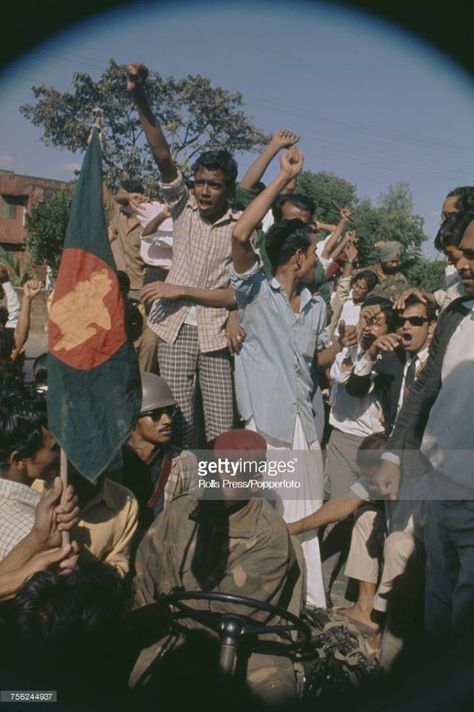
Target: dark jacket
point(413, 416)
point(387, 383)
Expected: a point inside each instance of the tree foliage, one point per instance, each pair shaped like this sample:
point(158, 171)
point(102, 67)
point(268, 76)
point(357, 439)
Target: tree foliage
point(46, 226)
point(327, 191)
point(195, 116)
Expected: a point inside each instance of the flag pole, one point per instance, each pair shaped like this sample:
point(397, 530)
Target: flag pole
point(65, 537)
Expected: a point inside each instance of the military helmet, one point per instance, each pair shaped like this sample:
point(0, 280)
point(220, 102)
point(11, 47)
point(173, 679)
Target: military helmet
point(155, 392)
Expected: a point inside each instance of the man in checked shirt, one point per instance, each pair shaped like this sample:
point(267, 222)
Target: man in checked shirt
point(190, 308)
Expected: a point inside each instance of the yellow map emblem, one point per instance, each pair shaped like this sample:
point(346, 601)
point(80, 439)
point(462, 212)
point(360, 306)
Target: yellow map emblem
point(78, 313)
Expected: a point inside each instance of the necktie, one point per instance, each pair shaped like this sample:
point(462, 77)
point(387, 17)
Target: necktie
point(410, 376)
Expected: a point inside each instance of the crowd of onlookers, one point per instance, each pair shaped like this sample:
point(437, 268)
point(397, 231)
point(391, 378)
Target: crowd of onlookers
point(259, 336)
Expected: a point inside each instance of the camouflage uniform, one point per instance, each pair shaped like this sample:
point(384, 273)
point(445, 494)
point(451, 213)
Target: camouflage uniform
point(248, 553)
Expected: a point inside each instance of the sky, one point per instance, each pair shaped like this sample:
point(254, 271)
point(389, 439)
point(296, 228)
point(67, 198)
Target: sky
point(372, 103)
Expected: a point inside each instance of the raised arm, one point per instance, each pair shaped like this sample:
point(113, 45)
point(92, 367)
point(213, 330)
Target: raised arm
point(281, 139)
point(243, 256)
point(30, 290)
point(331, 243)
point(136, 78)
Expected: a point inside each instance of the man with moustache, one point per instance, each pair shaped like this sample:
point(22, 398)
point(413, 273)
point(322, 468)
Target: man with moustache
point(152, 468)
point(391, 281)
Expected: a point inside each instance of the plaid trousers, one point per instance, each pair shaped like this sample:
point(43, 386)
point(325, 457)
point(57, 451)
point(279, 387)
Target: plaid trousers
point(181, 364)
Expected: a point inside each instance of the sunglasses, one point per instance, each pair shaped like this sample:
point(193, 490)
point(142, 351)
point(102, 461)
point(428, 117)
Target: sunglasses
point(412, 320)
point(169, 410)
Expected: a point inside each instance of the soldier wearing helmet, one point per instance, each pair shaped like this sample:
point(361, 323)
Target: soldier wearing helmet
point(152, 467)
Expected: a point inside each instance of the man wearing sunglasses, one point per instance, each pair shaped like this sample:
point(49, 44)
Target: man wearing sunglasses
point(393, 361)
point(153, 468)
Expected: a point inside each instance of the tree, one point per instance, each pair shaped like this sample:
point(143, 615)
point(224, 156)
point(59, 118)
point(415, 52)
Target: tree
point(46, 226)
point(327, 191)
point(195, 117)
point(427, 274)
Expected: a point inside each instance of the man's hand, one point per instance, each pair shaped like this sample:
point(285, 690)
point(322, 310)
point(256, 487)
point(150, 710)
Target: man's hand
point(31, 288)
point(284, 139)
point(60, 559)
point(400, 301)
point(387, 479)
point(161, 290)
point(137, 74)
point(53, 517)
point(388, 342)
point(347, 335)
point(291, 162)
point(234, 333)
point(4, 276)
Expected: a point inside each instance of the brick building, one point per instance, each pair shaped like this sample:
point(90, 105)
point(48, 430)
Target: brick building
point(18, 194)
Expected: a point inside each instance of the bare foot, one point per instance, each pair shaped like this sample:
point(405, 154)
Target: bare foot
point(361, 618)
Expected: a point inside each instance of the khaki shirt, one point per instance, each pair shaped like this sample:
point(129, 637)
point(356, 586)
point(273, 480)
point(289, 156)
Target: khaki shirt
point(248, 553)
point(107, 525)
point(129, 241)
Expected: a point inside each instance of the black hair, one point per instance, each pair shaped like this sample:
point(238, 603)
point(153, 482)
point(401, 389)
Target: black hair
point(453, 229)
point(3, 315)
point(369, 276)
point(70, 629)
point(430, 307)
point(370, 450)
point(132, 186)
point(40, 369)
point(218, 161)
point(284, 238)
point(385, 305)
point(7, 344)
point(300, 201)
point(465, 197)
point(22, 419)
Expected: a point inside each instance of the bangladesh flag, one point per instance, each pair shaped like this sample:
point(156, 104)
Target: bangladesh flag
point(94, 390)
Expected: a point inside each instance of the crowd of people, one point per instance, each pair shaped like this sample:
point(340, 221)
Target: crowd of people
point(259, 336)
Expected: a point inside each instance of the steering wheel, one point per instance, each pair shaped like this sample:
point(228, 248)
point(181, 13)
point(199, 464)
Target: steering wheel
point(233, 629)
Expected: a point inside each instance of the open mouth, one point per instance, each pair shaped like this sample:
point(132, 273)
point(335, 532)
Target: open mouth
point(367, 341)
point(406, 339)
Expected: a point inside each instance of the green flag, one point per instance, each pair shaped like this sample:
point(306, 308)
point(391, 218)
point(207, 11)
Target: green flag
point(94, 391)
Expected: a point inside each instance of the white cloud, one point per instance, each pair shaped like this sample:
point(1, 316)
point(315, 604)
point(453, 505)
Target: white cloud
point(5, 161)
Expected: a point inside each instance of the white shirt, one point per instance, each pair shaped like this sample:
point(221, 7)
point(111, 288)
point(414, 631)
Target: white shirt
point(17, 513)
point(13, 305)
point(420, 358)
point(349, 414)
point(350, 312)
point(448, 434)
point(156, 249)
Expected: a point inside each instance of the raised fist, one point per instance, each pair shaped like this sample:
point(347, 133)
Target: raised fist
point(137, 75)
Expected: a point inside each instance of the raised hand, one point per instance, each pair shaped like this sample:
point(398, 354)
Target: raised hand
point(284, 139)
point(31, 288)
point(347, 335)
point(291, 162)
point(137, 74)
point(345, 214)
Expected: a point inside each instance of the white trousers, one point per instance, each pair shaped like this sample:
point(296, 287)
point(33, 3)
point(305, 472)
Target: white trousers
point(307, 499)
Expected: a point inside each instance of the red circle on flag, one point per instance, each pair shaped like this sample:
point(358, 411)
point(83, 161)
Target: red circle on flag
point(86, 323)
